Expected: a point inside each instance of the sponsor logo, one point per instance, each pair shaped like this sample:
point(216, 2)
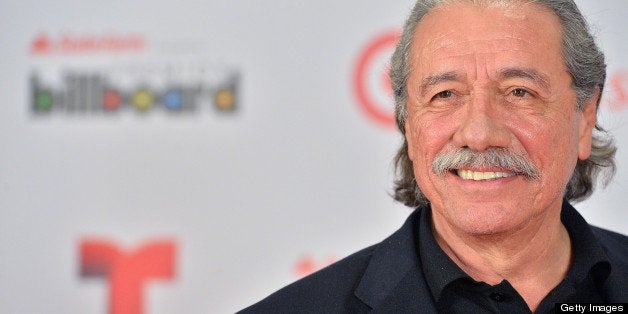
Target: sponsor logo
point(72, 44)
point(371, 83)
point(618, 85)
point(306, 265)
point(159, 87)
point(127, 272)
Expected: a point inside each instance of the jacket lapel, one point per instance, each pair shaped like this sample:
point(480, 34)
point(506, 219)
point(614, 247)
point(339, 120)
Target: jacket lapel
point(393, 280)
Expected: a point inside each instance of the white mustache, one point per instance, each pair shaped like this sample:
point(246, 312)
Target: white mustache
point(493, 157)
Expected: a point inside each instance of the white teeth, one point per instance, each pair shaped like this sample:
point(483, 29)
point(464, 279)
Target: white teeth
point(478, 176)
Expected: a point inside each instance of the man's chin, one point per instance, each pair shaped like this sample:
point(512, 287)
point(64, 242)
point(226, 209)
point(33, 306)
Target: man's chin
point(484, 220)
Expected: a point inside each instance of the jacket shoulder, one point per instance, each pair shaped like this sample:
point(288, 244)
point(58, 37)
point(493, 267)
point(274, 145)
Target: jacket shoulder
point(615, 246)
point(329, 290)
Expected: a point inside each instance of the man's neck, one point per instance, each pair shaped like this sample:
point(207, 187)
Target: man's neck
point(534, 258)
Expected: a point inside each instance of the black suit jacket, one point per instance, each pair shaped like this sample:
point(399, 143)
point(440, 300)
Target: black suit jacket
point(387, 278)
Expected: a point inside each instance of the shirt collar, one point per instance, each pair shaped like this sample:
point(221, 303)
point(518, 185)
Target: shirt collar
point(439, 270)
point(588, 256)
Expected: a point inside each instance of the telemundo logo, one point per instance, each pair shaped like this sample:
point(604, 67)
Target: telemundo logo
point(90, 92)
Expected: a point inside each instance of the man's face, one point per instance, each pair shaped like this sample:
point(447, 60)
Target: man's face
point(493, 77)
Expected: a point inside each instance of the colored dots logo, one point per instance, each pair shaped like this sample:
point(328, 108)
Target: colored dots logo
point(173, 100)
point(43, 100)
point(225, 99)
point(111, 100)
point(143, 99)
point(89, 92)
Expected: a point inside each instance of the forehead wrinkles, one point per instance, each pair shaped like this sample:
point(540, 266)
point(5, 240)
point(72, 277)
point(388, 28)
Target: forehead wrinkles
point(445, 49)
point(451, 42)
point(440, 36)
point(462, 64)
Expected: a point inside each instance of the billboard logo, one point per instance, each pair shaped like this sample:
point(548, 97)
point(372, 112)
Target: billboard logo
point(371, 83)
point(91, 92)
point(83, 44)
point(127, 272)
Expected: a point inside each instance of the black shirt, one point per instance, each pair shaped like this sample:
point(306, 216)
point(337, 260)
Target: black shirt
point(390, 277)
point(455, 292)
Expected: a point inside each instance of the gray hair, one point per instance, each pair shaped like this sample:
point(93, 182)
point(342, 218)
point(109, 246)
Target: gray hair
point(584, 61)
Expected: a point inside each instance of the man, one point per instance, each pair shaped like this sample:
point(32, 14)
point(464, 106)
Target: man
point(497, 101)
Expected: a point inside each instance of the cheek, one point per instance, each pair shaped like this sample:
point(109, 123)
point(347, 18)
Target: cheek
point(545, 142)
point(427, 136)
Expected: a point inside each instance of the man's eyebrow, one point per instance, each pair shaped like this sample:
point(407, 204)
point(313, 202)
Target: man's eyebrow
point(533, 75)
point(437, 78)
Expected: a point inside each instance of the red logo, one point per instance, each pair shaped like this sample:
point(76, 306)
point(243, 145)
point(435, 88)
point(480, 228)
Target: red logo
point(307, 265)
point(619, 88)
point(41, 45)
point(127, 271)
point(86, 44)
point(371, 83)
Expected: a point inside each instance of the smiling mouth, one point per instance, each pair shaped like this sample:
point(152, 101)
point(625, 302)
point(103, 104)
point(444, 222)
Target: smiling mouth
point(482, 176)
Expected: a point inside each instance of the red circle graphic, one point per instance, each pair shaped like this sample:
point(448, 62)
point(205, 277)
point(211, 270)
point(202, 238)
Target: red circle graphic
point(366, 60)
point(619, 87)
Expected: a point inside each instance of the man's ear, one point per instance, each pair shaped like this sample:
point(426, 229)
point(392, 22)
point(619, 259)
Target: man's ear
point(588, 119)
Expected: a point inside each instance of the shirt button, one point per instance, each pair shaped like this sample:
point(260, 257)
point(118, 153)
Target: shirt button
point(498, 296)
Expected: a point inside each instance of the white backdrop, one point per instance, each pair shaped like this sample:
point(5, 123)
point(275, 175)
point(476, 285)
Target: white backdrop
point(290, 175)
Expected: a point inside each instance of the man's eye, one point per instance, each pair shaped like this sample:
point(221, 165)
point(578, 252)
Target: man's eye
point(444, 94)
point(519, 92)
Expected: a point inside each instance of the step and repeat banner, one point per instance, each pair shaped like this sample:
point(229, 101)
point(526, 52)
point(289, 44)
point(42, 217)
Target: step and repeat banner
point(195, 156)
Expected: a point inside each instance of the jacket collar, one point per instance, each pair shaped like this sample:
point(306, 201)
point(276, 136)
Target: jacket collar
point(393, 278)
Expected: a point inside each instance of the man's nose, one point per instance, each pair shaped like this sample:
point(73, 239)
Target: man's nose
point(482, 124)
